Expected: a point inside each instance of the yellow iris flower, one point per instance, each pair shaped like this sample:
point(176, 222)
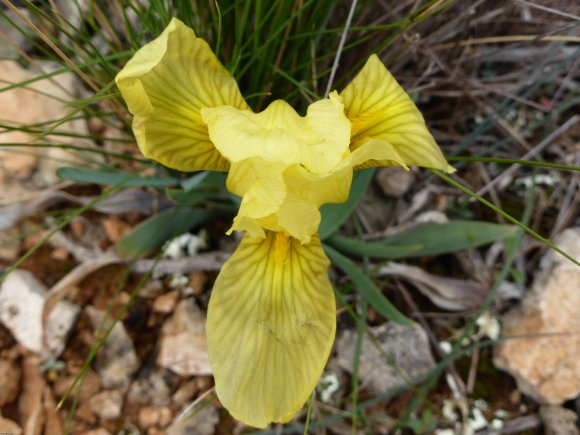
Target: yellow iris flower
point(271, 317)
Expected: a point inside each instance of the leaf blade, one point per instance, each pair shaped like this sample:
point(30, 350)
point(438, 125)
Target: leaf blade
point(367, 288)
point(152, 233)
point(426, 240)
point(93, 176)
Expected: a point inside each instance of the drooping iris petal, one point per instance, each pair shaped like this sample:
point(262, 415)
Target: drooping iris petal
point(270, 327)
point(165, 85)
point(381, 111)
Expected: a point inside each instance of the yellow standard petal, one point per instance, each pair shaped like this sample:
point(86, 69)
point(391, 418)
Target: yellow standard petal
point(385, 118)
point(284, 166)
point(317, 141)
point(261, 185)
point(270, 327)
point(299, 214)
point(165, 85)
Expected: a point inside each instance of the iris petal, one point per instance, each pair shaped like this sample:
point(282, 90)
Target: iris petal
point(262, 188)
point(381, 111)
point(278, 134)
point(299, 214)
point(284, 166)
point(270, 327)
point(165, 85)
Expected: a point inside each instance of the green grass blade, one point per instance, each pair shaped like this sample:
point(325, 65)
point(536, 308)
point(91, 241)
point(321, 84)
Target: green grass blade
point(308, 414)
point(367, 288)
point(505, 215)
point(513, 162)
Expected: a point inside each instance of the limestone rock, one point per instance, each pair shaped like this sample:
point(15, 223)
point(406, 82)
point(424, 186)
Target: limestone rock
point(9, 427)
point(165, 303)
point(45, 101)
point(107, 404)
point(394, 181)
point(185, 393)
point(21, 303)
point(150, 416)
point(183, 346)
point(545, 357)
point(60, 321)
point(117, 360)
point(10, 374)
point(100, 431)
point(153, 387)
point(30, 400)
point(558, 420)
point(405, 355)
point(91, 385)
point(202, 422)
point(22, 299)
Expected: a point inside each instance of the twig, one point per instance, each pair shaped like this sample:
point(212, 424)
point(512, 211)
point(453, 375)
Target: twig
point(54, 48)
point(543, 144)
point(340, 47)
point(472, 376)
point(456, 384)
point(568, 77)
point(503, 124)
point(507, 39)
point(184, 414)
point(566, 212)
point(208, 261)
point(550, 10)
point(515, 426)
point(481, 169)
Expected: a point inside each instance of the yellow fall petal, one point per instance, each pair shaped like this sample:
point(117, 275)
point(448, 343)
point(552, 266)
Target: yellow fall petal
point(165, 85)
point(381, 111)
point(270, 327)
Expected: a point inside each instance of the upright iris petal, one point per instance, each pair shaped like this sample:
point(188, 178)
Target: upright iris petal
point(271, 317)
point(383, 115)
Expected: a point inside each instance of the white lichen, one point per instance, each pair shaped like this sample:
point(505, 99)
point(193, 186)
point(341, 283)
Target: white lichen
point(327, 386)
point(488, 326)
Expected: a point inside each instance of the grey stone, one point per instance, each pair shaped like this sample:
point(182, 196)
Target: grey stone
point(404, 355)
